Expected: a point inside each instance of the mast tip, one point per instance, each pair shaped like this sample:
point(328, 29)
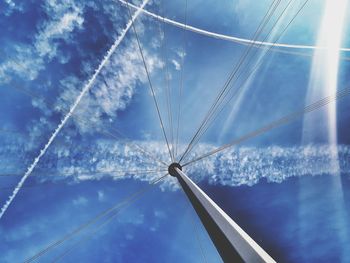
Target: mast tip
point(172, 170)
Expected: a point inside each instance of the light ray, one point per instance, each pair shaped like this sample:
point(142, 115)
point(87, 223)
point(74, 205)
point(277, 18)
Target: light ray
point(322, 127)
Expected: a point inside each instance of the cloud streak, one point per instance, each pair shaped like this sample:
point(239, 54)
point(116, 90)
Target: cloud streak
point(69, 114)
point(234, 167)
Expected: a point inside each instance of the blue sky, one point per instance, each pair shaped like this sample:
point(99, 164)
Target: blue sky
point(50, 49)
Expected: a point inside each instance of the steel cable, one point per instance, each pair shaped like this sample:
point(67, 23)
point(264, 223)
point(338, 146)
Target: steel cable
point(224, 103)
point(288, 118)
point(261, 26)
point(149, 82)
point(93, 220)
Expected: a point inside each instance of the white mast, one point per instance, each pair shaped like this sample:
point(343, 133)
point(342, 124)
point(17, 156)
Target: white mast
point(232, 243)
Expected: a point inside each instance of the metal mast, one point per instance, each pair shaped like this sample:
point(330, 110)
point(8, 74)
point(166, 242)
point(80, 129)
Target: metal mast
point(232, 243)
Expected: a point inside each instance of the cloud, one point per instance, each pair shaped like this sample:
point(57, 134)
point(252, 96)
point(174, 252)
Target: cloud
point(77, 99)
point(65, 17)
point(248, 165)
point(101, 196)
point(234, 167)
point(13, 153)
point(28, 60)
point(176, 64)
point(80, 201)
point(23, 63)
point(113, 89)
point(10, 3)
point(110, 93)
point(12, 7)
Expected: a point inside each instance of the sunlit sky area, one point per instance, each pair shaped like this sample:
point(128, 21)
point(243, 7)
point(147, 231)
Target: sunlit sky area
point(85, 123)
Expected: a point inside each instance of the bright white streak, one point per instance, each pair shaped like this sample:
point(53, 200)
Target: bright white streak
point(324, 75)
point(322, 126)
point(239, 40)
point(69, 114)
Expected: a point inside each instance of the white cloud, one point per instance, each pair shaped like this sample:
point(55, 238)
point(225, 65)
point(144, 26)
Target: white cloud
point(176, 64)
point(181, 53)
point(28, 60)
point(101, 196)
point(236, 166)
point(24, 62)
point(109, 94)
point(112, 91)
point(12, 6)
point(246, 166)
point(10, 3)
point(160, 214)
point(65, 17)
point(80, 201)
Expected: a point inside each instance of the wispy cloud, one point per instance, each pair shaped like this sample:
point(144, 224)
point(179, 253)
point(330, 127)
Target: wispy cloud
point(27, 60)
point(12, 6)
point(65, 17)
point(176, 64)
point(77, 100)
point(234, 167)
point(112, 91)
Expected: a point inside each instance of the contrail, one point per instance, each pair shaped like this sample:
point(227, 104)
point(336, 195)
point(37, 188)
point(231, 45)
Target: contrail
point(239, 40)
point(69, 114)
